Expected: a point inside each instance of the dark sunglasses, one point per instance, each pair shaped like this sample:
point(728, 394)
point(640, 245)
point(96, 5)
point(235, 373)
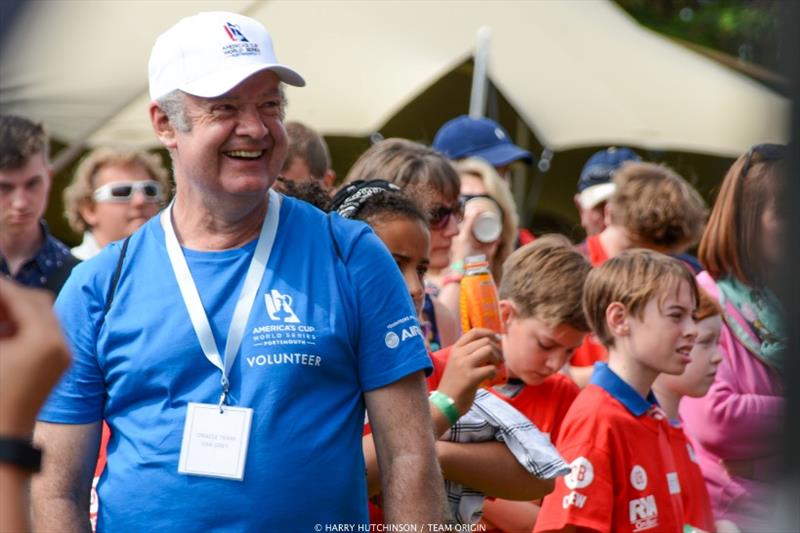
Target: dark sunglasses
point(763, 153)
point(439, 217)
point(122, 191)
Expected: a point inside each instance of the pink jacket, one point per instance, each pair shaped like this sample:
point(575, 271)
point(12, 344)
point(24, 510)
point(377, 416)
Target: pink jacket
point(738, 422)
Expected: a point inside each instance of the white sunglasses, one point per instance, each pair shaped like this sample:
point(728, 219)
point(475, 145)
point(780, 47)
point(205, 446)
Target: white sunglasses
point(123, 191)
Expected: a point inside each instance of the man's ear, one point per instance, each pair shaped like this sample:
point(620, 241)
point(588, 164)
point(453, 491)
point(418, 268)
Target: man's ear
point(618, 320)
point(507, 312)
point(162, 127)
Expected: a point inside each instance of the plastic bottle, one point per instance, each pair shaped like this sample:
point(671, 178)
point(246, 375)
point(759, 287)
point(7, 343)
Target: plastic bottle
point(479, 306)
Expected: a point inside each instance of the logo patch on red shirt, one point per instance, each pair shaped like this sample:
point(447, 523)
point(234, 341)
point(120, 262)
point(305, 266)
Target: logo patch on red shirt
point(582, 474)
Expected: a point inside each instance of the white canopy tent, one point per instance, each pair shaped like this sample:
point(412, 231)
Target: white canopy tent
point(579, 73)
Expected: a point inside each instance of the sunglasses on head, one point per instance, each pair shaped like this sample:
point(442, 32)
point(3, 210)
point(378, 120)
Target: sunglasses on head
point(123, 191)
point(440, 216)
point(763, 152)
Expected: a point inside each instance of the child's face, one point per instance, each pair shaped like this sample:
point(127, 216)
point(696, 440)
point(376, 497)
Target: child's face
point(534, 351)
point(662, 339)
point(706, 356)
point(409, 242)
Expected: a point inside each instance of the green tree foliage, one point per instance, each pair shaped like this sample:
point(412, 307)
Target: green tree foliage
point(747, 29)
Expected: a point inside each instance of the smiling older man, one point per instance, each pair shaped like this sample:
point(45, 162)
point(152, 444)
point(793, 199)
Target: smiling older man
point(169, 331)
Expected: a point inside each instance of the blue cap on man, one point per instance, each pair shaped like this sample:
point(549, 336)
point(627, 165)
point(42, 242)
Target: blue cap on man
point(596, 183)
point(465, 136)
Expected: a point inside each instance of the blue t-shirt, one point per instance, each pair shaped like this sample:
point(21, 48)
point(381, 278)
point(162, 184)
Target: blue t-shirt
point(323, 330)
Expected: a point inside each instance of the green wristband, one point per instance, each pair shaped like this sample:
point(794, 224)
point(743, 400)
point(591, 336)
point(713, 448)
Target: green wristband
point(446, 405)
point(457, 267)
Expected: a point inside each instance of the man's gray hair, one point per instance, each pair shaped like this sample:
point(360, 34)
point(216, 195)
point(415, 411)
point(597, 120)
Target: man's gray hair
point(172, 104)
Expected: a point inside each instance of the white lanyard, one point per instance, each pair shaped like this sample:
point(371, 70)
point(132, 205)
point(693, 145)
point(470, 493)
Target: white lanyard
point(244, 304)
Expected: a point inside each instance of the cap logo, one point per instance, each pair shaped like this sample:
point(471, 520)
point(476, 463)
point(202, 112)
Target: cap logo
point(240, 45)
point(235, 33)
point(499, 133)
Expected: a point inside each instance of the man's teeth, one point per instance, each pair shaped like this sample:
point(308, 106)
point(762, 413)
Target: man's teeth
point(245, 153)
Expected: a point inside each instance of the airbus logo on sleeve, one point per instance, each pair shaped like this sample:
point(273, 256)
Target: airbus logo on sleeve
point(393, 339)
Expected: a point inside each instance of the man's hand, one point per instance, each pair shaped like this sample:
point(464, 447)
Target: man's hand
point(33, 356)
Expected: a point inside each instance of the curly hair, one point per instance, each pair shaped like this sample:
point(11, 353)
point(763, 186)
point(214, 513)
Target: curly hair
point(657, 206)
point(84, 181)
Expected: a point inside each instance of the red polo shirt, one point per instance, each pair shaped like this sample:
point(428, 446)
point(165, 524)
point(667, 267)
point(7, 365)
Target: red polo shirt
point(623, 475)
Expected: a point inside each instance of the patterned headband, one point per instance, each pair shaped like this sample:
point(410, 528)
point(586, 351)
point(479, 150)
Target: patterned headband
point(351, 198)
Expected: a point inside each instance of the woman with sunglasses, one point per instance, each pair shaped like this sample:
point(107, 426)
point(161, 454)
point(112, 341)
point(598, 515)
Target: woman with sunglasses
point(431, 181)
point(111, 195)
point(737, 425)
point(489, 227)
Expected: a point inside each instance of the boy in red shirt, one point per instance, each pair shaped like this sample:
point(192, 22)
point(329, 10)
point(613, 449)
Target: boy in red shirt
point(694, 382)
point(540, 307)
point(623, 478)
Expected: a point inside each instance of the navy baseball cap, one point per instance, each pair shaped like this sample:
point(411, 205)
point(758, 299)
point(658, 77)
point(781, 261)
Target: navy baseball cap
point(596, 182)
point(478, 137)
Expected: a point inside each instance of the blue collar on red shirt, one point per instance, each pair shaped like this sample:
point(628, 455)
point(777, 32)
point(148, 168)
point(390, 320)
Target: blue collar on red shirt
point(609, 381)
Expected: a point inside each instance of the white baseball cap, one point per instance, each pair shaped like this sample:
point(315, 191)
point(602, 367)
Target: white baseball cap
point(210, 53)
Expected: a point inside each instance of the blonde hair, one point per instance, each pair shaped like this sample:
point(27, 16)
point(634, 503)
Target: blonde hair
point(545, 280)
point(498, 190)
point(657, 206)
point(631, 278)
point(413, 167)
point(83, 182)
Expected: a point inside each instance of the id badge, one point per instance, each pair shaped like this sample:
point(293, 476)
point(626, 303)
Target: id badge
point(215, 443)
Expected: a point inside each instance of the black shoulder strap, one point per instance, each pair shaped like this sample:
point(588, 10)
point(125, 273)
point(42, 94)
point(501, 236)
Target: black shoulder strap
point(115, 279)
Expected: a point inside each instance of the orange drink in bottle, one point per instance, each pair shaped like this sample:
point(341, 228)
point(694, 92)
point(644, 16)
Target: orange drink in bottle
point(478, 305)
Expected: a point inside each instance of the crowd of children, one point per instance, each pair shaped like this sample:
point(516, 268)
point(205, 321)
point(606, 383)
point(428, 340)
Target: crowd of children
point(667, 417)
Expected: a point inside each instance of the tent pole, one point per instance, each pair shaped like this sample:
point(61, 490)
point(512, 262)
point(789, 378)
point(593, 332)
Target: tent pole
point(477, 98)
point(520, 172)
